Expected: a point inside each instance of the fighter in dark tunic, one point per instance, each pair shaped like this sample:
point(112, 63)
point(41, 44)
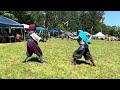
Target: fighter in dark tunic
point(32, 45)
point(83, 50)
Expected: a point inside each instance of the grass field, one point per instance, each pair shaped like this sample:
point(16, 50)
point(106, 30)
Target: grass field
point(58, 54)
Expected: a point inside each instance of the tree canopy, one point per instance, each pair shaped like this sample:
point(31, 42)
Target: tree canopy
point(91, 21)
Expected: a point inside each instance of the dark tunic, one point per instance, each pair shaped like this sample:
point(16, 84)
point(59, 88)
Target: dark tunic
point(32, 46)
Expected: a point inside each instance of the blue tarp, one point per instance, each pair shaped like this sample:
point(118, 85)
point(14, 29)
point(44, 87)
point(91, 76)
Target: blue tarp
point(6, 22)
point(60, 31)
point(53, 31)
point(40, 28)
point(56, 31)
point(87, 33)
point(75, 33)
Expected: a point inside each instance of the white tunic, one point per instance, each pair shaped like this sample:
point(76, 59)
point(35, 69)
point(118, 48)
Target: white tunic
point(35, 37)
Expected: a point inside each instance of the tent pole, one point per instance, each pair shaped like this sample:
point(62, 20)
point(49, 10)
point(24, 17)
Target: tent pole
point(22, 33)
point(9, 30)
point(2, 30)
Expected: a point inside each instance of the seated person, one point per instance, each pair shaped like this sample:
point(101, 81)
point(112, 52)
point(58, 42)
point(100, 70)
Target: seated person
point(18, 37)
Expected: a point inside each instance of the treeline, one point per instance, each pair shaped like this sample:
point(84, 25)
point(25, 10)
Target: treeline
point(91, 21)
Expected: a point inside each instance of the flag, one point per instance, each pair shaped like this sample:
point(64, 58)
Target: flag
point(66, 23)
point(91, 27)
point(101, 20)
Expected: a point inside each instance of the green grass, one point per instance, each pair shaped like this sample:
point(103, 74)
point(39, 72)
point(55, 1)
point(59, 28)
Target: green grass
point(58, 54)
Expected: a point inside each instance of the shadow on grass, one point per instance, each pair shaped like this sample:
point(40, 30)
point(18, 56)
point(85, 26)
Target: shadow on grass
point(80, 62)
point(33, 60)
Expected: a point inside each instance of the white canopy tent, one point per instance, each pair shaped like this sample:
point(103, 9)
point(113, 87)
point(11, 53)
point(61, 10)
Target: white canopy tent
point(99, 35)
point(26, 26)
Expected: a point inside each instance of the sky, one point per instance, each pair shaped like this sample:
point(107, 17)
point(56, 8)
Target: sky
point(112, 18)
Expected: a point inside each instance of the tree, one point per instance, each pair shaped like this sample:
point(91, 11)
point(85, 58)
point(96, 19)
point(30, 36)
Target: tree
point(38, 17)
point(60, 27)
point(8, 14)
point(20, 15)
point(90, 19)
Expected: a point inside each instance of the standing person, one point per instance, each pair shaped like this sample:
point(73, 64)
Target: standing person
point(83, 50)
point(32, 45)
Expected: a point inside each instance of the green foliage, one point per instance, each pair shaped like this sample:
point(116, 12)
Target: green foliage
point(8, 14)
point(60, 26)
point(89, 20)
point(11, 16)
point(20, 15)
point(58, 54)
point(38, 17)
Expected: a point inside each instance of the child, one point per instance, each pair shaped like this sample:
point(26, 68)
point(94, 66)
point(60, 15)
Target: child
point(83, 49)
point(32, 45)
